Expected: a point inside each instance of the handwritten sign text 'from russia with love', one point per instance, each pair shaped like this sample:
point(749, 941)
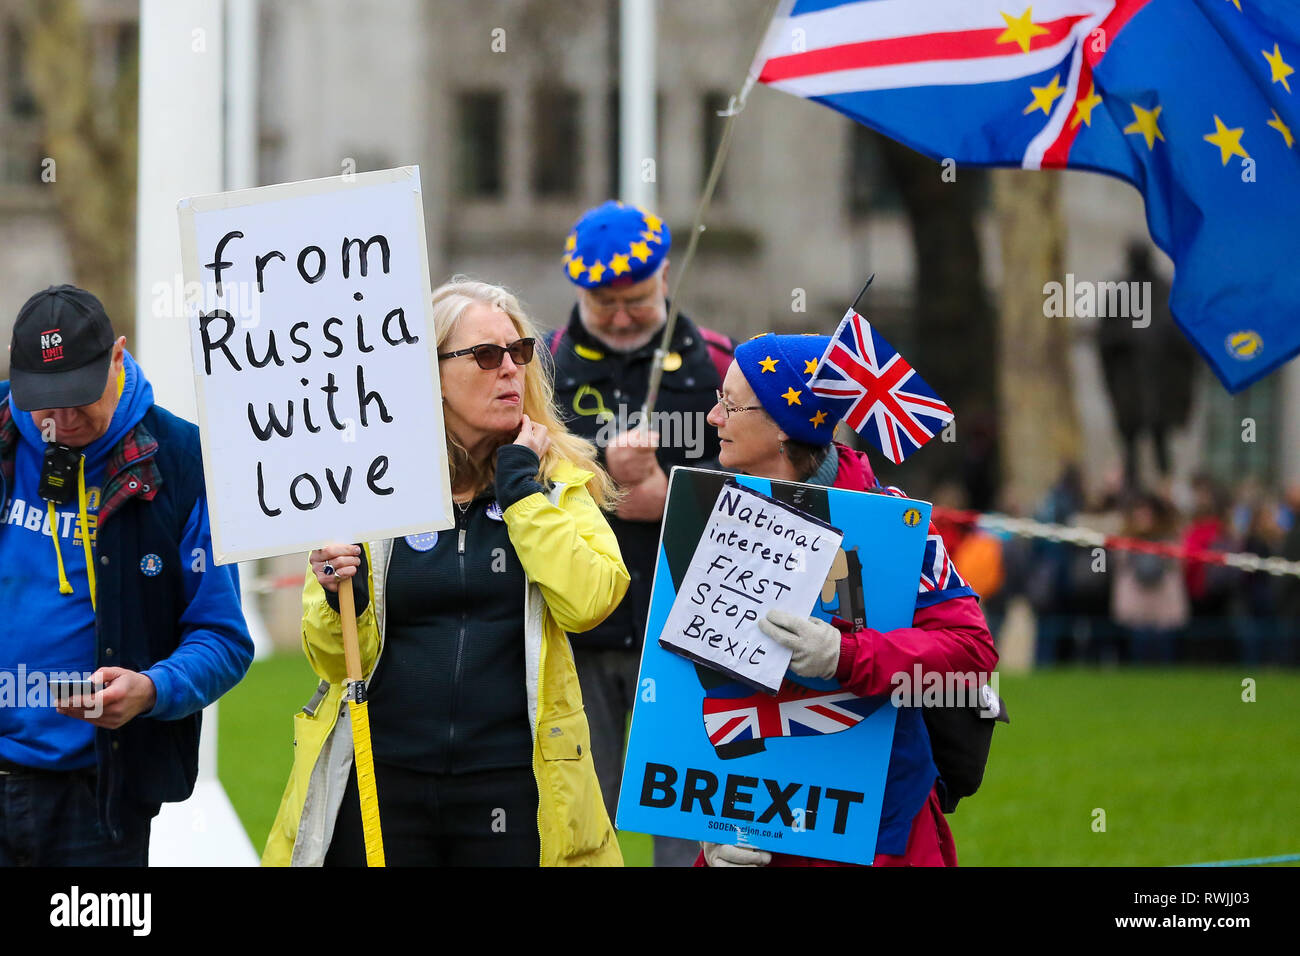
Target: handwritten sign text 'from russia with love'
point(315, 363)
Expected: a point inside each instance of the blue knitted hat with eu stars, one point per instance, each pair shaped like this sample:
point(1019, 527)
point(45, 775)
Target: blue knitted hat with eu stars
point(778, 368)
point(615, 244)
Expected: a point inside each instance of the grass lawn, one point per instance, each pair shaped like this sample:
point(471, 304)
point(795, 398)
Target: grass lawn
point(255, 738)
point(1185, 771)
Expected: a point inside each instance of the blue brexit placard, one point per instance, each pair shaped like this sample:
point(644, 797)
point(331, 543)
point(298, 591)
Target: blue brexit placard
point(801, 771)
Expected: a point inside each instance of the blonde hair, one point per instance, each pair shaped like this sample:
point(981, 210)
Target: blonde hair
point(451, 300)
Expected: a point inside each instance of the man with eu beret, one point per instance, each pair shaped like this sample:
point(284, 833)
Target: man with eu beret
point(617, 257)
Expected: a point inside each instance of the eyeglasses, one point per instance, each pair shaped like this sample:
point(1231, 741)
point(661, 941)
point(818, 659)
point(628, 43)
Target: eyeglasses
point(642, 308)
point(489, 356)
point(728, 408)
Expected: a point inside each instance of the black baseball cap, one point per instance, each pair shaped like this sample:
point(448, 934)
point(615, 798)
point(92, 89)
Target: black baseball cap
point(61, 350)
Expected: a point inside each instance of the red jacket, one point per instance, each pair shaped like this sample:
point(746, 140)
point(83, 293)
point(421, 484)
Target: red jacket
point(950, 635)
point(1200, 536)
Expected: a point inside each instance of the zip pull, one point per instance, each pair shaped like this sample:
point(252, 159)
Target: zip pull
point(460, 531)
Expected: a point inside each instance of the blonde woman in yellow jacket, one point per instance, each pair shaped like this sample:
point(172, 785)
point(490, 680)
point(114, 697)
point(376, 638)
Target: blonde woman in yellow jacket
point(451, 624)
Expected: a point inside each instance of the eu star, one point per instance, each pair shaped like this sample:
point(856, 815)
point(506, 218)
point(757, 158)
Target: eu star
point(1021, 29)
point(1281, 69)
point(1228, 141)
point(1146, 122)
point(1083, 109)
point(1045, 96)
point(1277, 124)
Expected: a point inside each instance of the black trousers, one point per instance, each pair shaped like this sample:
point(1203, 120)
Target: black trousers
point(487, 818)
point(50, 818)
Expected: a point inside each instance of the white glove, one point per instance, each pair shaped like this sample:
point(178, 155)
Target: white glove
point(725, 854)
point(816, 643)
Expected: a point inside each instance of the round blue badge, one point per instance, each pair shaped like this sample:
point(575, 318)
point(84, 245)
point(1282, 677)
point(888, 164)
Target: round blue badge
point(494, 511)
point(151, 565)
point(422, 542)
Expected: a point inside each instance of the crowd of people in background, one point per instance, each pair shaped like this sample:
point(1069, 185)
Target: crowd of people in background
point(1119, 605)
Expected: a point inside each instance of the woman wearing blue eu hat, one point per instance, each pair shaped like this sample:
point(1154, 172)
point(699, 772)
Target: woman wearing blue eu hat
point(771, 425)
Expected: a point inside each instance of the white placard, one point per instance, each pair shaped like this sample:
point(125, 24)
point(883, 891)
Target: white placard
point(315, 363)
point(756, 554)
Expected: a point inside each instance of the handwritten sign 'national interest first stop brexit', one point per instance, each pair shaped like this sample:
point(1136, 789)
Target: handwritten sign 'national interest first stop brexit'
point(315, 363)
point(757, 554)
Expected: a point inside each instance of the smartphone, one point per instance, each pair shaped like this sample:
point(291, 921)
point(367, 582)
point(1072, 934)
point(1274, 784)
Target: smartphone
point(64, 691)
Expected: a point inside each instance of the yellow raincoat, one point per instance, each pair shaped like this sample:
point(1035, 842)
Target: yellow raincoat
point(576, 577)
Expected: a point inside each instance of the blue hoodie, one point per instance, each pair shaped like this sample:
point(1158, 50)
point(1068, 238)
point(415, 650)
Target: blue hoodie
point(46, 631)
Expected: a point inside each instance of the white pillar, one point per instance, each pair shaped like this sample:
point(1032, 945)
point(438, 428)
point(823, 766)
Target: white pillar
point(180, 148)
point(637, 101)
point(241, 94)
point(181, 136)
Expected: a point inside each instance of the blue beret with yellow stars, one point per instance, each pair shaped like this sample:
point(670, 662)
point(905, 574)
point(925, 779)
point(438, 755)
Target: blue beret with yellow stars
point(614, 244)
point(778, 368)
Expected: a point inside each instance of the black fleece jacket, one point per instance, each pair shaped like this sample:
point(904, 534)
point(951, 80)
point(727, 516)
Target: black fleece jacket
point(448, 695)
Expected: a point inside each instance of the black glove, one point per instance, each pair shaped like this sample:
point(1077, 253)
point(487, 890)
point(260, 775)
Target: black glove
point(360, 589)
point(517, 467)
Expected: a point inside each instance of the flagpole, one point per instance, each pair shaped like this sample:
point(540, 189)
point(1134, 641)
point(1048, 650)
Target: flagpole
point(734, 109)
point(857, 298)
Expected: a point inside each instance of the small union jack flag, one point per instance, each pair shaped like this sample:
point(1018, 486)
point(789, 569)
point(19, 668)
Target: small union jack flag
point(794, 711)
point(889, 404)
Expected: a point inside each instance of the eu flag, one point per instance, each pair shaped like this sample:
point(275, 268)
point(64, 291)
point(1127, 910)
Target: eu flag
point(1194, 102)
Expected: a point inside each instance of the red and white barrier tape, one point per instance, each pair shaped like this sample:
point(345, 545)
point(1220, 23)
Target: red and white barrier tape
point(1090, 538)
point(1020, 527)
point(268, 583)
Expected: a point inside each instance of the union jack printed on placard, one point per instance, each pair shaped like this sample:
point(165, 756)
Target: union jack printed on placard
point(890, 405)
point(794, 711)
point(940, 579)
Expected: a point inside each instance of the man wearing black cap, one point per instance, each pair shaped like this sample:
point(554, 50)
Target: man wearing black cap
point(617, 256)
point(105, 579)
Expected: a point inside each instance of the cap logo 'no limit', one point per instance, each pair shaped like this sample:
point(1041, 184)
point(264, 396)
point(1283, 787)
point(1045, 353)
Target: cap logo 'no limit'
point(51, 345)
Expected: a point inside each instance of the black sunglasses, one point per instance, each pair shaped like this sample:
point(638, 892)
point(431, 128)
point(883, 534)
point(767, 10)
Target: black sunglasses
point(489, 356)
